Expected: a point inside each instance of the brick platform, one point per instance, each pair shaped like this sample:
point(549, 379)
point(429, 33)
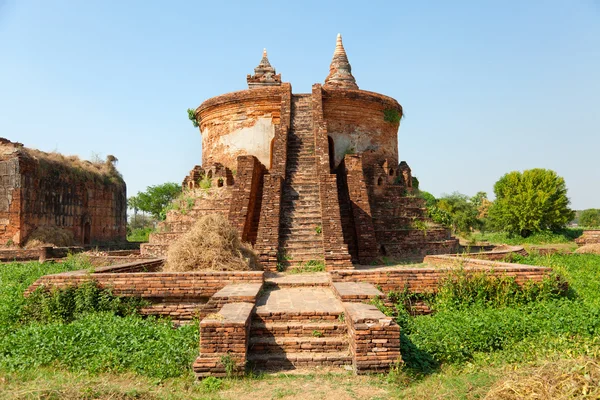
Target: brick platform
point(224, 337)
point(374, 338)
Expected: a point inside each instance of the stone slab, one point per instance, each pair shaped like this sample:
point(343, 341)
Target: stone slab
point(284, 280)
point(239, 290)
point(356, 290)
point(231, 313)
point(361, 313)
point(299, 300)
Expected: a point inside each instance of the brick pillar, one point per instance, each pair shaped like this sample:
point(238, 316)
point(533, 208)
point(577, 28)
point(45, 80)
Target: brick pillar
point(267, 242)
point(224, 341)
point(244, 196)
point(336, 251)
point(374, 338)
point(279, 155)
point(366, 240)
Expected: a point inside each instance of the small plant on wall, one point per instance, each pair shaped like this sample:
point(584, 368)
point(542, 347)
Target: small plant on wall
point(391, 115)
point(192, 117)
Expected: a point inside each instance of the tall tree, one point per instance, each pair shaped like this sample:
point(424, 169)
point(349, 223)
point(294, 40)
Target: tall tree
point(156, 198)
point(530, 201)
point(590, 217)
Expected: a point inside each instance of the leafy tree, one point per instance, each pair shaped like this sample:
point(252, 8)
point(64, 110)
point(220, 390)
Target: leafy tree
point(156, 198)
point(590, 217)
point(530, 201)
point(462, 211)
point(430, 199)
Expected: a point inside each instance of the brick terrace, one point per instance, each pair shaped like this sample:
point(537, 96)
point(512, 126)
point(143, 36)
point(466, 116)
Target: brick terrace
point(274, 321)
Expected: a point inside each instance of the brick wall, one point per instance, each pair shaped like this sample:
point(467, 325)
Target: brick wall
point(426, 280)
point(374, 338)
point(40, 192)
point(245, 199)
point(224, 336)
point(366, 241)
point(267, 242)
point(154, 285)
point(239, 123)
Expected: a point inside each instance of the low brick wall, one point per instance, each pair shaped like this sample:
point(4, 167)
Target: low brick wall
point(426, 280)
point(224, 336)
point(374, 338)
point(496, 254)
point(588, 237)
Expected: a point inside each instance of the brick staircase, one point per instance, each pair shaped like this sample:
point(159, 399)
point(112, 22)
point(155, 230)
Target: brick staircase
point(179, 221)
point(298, 326)
point(403, 228)
point(301, 220)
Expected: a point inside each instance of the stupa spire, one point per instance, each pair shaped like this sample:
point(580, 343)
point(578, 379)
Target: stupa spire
point(264, 74)
point(340, 71)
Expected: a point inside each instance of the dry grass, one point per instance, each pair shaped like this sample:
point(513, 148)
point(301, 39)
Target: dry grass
point(49, 236)
point(103, 170)
point(564, 379)
point(589, 249)
point(211, 244)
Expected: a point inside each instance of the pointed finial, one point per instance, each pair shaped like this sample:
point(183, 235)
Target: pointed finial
point(340, 71)
point(264, 74)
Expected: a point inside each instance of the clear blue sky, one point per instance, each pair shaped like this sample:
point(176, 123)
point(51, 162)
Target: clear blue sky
point(487, 86)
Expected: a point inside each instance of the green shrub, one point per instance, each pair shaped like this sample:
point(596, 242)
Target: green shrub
point(140, 234)
point(391, 115)
point(66, 305)
point(96, 340)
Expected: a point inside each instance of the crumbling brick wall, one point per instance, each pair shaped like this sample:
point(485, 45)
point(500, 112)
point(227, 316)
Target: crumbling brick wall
point(41, 191)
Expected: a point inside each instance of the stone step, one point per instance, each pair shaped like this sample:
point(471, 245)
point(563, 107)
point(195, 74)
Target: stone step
point(298, 329)
point(316, 344)
point(294, 360)
point(311, 279)
point(308, 246)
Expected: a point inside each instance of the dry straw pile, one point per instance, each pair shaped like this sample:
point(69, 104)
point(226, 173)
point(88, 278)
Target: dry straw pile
point(49, 236)
point(211, 244)
point(589, 249)
point(565, 379)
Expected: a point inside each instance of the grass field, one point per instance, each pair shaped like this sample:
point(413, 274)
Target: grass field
point(466, 350)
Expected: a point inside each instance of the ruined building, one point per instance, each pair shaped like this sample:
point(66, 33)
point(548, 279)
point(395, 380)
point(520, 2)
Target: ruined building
point(47, 191)
point(308, 177)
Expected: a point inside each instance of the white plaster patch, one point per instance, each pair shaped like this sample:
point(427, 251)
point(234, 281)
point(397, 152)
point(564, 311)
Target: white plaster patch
point(356, 142)
point(254, 140)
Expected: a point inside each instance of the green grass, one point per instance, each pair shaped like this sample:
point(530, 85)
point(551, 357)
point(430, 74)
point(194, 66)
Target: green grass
point(140, 234)
point(565, 236)
point(459, 352)
point(479, 330)
point(93, 340)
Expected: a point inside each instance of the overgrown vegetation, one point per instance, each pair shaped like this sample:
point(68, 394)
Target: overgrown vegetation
point(68, 304)
point(545, 237)
point(139, 234)
point(84, 329)
point(391, 115)
point(192, 117)
point(482, 320)
point(483, 335)
point(96, 170)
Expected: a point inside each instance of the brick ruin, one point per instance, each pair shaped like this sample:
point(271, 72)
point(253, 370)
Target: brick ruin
point(308, 177)
point(47, 190)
